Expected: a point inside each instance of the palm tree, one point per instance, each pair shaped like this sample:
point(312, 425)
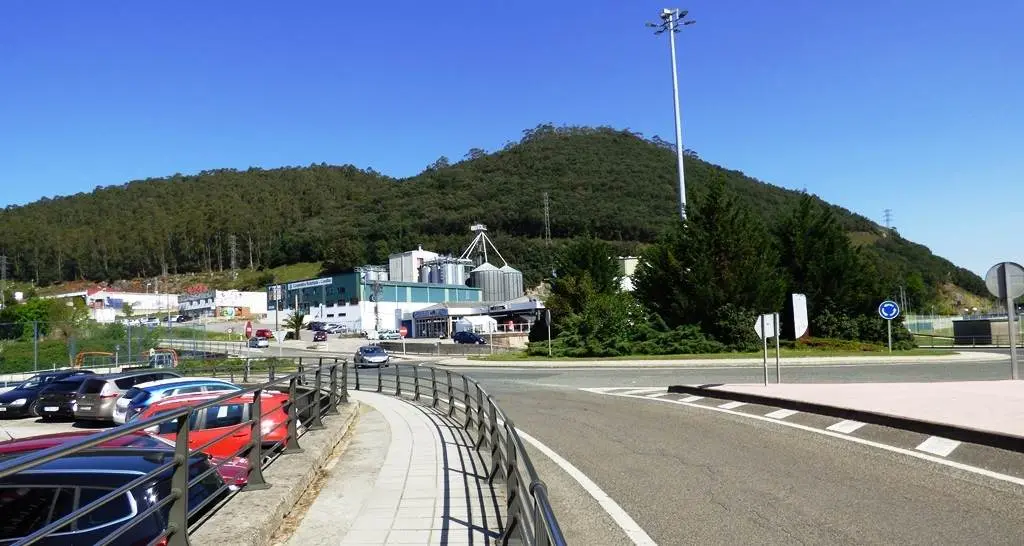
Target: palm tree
point(294, 322)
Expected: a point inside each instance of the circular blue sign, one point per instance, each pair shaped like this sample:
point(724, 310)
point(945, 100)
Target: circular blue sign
point(889, 310)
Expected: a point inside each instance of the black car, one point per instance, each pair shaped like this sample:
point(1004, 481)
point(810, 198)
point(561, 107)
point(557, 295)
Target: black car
point(35, 498)
point(466, 336)
point(23, 400)
point(320, 335)
point(56, 399)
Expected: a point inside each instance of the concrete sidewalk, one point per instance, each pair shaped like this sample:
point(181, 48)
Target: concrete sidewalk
point(966, 356)
point(992, 406)
point(410, 476)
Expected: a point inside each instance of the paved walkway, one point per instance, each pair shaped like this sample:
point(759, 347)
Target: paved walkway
point(995, 406)
point(410, 476)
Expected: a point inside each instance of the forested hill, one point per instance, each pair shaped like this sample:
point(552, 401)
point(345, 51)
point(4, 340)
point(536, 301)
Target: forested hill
point(612, 184)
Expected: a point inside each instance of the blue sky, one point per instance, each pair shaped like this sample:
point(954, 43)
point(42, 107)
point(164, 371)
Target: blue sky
point(911, 105)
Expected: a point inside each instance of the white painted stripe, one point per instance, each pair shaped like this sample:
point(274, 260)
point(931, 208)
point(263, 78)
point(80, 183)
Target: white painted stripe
point(658, 395)
point(628, 525)
point(910, 453)
point(691, 399)
point(782, 413)
point(846, 427)
point(732, 405)
point(938, 446)
point(644, 390)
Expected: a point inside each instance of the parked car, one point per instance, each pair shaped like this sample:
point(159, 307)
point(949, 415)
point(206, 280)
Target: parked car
point(371, 355)
point(22, 399)
point(57, 399)
point(259, 342)
point(320, 336)
point(466, 336)
point(184, 318)
point(33, 499)
point(219, 424)
point(151, 322)
point(96, 398)
point(137, 398)
point(264, 333)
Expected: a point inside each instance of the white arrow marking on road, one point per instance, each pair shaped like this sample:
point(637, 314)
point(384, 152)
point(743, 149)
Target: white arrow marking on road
point(644, 391)
point(781, 414)
point(846, 427)
point(658, 395)
point(938, 446)
point(732, 405)
point(692, 398)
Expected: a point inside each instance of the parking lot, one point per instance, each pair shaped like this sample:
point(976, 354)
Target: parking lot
point(34, 426)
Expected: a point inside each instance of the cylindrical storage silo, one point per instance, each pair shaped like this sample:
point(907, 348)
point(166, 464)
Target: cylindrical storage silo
point(425, 273)
point(450, 273)
point(435, 273)
point(487, 278)
point(511, 283)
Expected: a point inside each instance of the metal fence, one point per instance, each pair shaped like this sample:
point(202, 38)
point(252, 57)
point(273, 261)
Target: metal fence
point(443, 349)
point(529, 515)
point(313, 392)
point(994, 341)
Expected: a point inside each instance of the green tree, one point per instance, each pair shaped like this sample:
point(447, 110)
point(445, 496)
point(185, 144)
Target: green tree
point(716, 269)
point(127, 309)
point(294, 322)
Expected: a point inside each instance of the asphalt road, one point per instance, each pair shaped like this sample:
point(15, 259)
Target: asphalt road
point(693, 476)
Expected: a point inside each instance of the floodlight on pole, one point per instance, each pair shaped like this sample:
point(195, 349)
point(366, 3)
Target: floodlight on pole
point(671, 21)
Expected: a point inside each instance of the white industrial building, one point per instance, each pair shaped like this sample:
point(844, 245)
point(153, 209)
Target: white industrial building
point(406, 266)
point(223, 303)
point(627, 267)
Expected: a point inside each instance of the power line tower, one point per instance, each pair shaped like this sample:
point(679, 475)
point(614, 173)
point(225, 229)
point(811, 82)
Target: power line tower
point(547, 220)
point(887, 214)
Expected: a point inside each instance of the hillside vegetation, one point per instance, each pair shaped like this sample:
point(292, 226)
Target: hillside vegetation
point(611, 184)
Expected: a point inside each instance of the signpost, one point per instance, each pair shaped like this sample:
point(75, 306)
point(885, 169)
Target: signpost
point(403, 331)
point(248, 329)
point(889, 310)
point(1006, 281)
point(766, 326)
point(279, 336)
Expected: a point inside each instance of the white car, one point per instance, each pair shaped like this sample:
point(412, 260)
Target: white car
point(371, 355)
point(259, 342)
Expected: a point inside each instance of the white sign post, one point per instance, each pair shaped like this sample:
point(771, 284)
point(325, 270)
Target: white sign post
point(279, 336)
point(1006, 281)
point(889, 310)
point(766, 326)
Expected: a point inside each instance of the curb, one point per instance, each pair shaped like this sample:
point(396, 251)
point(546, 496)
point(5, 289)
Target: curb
point(251, 518)
point(969, 435)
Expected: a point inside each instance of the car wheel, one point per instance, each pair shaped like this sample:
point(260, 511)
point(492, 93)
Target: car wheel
point(33, 410)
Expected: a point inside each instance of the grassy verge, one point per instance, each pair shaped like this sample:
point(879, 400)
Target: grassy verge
point(786, 353)
point(198, 334)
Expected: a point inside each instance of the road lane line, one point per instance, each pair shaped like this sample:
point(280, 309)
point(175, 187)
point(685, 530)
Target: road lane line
point(910, 453)
point(846, 427)
point(658, 395)
point(732, 405)
point(689, 399)
point(937, 445)
point(622, 519)
point(782, 413)
point(645, 390)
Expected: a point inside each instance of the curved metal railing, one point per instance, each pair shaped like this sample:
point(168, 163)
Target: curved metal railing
point(529, 516)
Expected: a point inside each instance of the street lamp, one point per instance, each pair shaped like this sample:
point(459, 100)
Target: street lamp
point(671, 21)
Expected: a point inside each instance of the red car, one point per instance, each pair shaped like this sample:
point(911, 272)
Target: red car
point(264, 333)
point(215, 422)
point(234, 472)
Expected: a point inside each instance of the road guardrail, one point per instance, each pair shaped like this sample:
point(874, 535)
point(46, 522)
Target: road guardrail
point(529, 516)
point(313, 392)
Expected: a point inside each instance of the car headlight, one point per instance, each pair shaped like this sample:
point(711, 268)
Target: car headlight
point(18, 402)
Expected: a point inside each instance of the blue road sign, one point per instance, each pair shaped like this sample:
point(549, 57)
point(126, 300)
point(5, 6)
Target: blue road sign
point(889, 310)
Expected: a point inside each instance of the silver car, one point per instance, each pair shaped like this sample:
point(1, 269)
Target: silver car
point(371, 356)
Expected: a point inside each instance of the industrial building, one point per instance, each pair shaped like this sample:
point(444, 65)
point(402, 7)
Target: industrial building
point(229, 304)
point(423, 291)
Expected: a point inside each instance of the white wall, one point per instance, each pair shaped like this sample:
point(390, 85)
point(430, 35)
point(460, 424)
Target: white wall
point(256, 302)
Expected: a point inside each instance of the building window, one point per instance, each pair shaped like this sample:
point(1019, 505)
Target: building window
point(330, 315)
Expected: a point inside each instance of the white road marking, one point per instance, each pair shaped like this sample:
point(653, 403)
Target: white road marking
point(658, 395)
point(628, 525)
point(846, 427)
point(645, 390)
point(915, 454)
point(782, 413)
point(938, 446)
point(732, 405)
point(691, 398)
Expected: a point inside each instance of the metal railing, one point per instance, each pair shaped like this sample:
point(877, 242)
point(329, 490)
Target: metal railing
point(529, 515)
point(313, 392)
point(995, 341)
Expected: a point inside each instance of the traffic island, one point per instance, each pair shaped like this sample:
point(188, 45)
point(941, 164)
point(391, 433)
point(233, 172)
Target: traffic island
point(250, 518)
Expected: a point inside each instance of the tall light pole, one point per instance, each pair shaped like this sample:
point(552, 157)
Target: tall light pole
point(671, 21)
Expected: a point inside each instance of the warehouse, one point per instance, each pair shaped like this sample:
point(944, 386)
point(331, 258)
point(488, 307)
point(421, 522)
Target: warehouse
point(348, 299)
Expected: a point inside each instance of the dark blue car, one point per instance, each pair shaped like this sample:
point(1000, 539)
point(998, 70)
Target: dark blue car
point(22, 399)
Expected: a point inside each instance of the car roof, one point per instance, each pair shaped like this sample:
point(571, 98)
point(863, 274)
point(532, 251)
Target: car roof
point(371, 347)
point(183, 400)
point(133, 373)
point(180, 381)
point(45, 441)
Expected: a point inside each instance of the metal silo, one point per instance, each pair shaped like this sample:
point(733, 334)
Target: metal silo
point(487, 278)
point(511, 283)
point(425, 273)
point(435, 273)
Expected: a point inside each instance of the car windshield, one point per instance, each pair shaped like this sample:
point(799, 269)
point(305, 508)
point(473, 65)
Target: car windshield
point(372, 350)
point(35, 382)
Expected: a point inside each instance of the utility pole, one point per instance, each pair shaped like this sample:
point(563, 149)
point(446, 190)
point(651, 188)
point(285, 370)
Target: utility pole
point(376, 305)
point(3, 281)
point(887, 214)
point(671, 21)
point(233, 242)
